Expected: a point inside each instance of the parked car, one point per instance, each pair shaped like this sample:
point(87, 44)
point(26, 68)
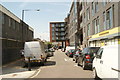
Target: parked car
point(35, 50)
point(49, 52)
point(105, 64)
point(76, 55)
point(86, 58)
point(71, 52)
point(52, 49)
point(63, 49)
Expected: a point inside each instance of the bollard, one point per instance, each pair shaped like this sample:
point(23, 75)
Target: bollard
point(29, 65)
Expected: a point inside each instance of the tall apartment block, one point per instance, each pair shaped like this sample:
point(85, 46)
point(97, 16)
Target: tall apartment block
point(57, 33)
point(99, 23)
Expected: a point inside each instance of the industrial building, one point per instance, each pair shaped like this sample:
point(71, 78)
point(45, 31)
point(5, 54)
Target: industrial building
point(14, 32)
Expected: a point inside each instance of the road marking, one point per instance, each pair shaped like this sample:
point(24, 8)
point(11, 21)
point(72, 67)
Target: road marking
point(39, 70)
point(76, 65)
point(65, 59)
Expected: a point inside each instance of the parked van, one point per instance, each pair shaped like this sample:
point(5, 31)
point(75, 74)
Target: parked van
point(105, 64)
point(69, 47)
point(35, 50)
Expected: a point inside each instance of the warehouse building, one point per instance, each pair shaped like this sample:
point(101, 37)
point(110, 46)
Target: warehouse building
point(14, 32)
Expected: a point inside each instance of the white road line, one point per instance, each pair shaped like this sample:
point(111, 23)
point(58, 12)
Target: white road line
point(65, 59)
point(36, 73)
point(76, 65)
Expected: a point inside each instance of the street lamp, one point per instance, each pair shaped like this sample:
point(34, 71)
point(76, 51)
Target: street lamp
point(23, 11)
point(29, 68)
point(28, 10)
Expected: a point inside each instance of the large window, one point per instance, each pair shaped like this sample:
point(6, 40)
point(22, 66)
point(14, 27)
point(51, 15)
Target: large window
point(104, 20)
point(3, 18)
point(97, 25)
point(94, 25)
point(88, 27)
point(109, 18)
point(96, 7)
point(88, 13)
point(93, 9)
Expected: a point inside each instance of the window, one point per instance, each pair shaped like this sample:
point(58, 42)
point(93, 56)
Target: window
point(53, 25)
point(88, 13)
point(88, 32)
point(9, 22)
point(99, 53)
point(62, 33)
point(109, 18)
point(104, 20)
point(62, 24)
point(104, 2)
point(97, 25)
point(3, 18)
point(84, 18)
point(96, 7)
point(53, 38)
point(62, 29)
point(13, 22)
point(52, 29)
point(93, 9)
point(94, 25)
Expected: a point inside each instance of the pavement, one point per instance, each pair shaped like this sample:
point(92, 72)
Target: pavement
point(15, 70)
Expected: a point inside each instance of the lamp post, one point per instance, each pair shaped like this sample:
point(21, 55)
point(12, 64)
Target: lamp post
point(23, 11)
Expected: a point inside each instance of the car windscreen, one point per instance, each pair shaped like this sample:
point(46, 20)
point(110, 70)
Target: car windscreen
point(90, 50)
point(72, 50)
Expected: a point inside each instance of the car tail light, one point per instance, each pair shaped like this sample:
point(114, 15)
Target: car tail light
point(70, 53)
point(87, 61)
point(87, 56)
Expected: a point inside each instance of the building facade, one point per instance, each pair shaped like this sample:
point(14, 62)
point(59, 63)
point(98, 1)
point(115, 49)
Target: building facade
point(73, 25)
point(14, 32)
point(57, 33)
point(99, 23)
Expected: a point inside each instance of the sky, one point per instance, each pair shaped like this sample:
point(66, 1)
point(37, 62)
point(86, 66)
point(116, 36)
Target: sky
point(39, 21)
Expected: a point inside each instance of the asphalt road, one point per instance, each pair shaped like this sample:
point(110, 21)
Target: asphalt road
point(61, 66)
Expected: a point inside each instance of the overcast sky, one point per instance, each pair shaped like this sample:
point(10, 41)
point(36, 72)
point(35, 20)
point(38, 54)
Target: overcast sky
point(39, 21)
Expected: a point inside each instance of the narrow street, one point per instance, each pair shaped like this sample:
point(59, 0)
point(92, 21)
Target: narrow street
point(61, 66)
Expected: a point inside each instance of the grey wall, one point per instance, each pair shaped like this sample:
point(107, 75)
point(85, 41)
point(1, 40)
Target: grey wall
point(0, 43)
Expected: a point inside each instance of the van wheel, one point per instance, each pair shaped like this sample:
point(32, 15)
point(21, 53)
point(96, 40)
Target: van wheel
point(75, 61)
point(83, 65)
point(95, 76)
point(45, 60)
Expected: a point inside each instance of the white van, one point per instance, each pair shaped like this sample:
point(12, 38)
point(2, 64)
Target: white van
point(35, 50)
point(105, 64)
point(69, 47)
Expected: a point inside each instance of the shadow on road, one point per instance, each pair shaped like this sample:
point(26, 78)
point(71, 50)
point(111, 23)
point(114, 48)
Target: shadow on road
point(50, 63)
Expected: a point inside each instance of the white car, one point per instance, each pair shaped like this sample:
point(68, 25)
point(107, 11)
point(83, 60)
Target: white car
point(105, 64)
